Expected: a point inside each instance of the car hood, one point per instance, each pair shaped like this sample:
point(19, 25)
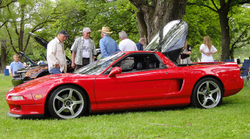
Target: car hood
point(52, 79)
point(39, 40)
point(170, 39)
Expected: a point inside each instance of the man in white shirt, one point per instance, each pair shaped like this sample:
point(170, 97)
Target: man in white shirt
point(56, 55)
point(83, 50)
point(126, 44)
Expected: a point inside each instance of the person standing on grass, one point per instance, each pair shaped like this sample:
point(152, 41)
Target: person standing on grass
point(108, 46)
point(83, 50)
point(185, 54)
point(15, 65)
point(126, 44)
point(55, 54)
point(207, 49)
point(140, 44)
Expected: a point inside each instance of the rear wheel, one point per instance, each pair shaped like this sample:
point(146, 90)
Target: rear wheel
point(67, 102)
point(207, 93)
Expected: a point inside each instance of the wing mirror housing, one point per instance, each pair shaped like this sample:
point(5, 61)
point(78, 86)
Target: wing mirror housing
point(114, 71)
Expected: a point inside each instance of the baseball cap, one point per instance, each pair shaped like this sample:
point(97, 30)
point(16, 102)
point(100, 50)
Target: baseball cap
point(86, 29)
point(64, 32)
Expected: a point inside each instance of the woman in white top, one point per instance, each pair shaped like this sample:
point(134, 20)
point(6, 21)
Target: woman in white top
point(207, 49)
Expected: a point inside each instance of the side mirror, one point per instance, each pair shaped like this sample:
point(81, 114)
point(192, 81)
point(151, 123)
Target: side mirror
point(114, 71)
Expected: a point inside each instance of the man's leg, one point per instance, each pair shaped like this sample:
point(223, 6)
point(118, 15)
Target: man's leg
point(55, 71)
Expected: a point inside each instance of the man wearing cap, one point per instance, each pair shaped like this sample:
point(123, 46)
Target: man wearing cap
point(83, 50)
point(108, 46)
point(56, 55)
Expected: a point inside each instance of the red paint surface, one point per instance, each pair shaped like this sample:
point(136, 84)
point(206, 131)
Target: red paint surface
point(171, 86)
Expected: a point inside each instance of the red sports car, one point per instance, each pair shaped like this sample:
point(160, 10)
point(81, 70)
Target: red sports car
point(129, 80)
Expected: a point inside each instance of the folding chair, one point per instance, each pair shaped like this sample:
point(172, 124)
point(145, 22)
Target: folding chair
point(245, 72)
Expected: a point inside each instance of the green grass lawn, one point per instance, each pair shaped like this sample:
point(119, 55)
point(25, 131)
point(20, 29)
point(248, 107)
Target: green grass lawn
point(230, 120)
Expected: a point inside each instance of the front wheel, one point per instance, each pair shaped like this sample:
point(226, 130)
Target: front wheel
point(67, 102)
point(207, 93)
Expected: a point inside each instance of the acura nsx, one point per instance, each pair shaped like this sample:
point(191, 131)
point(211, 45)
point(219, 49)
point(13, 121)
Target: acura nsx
point(129, 80)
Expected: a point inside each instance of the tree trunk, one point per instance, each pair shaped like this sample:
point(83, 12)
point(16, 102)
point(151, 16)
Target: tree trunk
point(158, 13)
point(225, 34)
point(142, 26)
point(21, 32)
point(3, 55)
point(231, 54)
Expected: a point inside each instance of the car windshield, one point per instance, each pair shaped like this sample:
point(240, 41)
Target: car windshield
point(95, 68)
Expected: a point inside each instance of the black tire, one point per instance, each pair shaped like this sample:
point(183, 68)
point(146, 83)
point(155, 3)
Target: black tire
point(207, 93)
point(67, 102)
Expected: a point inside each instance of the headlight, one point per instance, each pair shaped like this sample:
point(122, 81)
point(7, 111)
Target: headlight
point(17, 97)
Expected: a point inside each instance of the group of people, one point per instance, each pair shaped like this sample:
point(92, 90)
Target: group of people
point(83, 49)
point(207, 49)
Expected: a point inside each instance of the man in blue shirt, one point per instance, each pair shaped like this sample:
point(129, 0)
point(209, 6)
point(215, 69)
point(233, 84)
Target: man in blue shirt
point(15, 65)
point(108, 46)
point(140, 44)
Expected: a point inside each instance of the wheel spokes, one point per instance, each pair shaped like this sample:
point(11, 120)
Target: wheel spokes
point(213, 100)
point(201, 93)
point(205, 102)
point(77, 102)
point(60, 110)
point(70, 94)
point(208, 94)
point(214, 91)
point(68, 103)
point(71, 111)
point(60, 98)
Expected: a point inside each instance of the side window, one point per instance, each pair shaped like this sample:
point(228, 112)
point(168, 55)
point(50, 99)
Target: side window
point(126, 64)
point(138, 62)
point(147, 62)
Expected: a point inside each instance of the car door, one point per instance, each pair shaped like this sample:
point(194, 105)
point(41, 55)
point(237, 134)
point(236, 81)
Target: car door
point(140, 86)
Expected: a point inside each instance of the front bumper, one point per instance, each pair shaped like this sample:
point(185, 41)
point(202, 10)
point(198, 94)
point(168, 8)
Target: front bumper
point(25, 116)
point(36, 109)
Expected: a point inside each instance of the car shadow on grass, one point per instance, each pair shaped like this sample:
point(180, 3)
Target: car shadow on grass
point(117, 112)
point(48, 117)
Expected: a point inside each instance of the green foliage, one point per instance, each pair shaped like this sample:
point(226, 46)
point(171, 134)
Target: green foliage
point(230, 120)
point(118, 15)
point(202, 22)
point(36, 14)
point(74, 15)
point(239, 31)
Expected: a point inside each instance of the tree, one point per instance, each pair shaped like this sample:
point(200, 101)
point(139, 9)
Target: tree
point(4, 54)
point(239, 30)
point(202, 22)
point(154, 14)
point(222, 8)
point(118, 15)
point(4, 4)
point(27, 16)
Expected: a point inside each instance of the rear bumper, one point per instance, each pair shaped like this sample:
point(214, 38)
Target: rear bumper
point(234, 88)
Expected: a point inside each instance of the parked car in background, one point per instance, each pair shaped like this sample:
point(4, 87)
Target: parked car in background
point(35, 70)
point(129, 80)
